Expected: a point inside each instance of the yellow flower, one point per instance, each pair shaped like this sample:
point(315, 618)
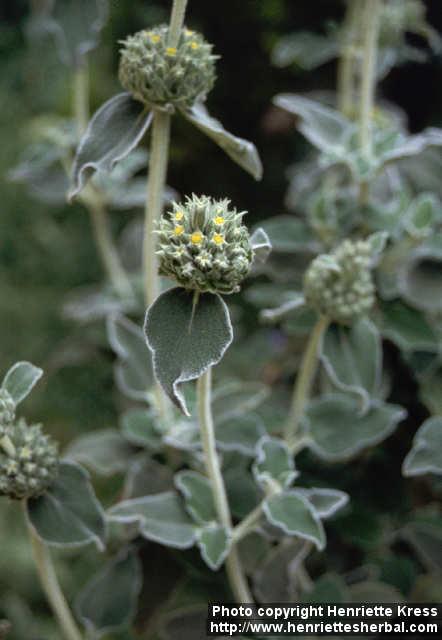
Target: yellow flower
point(179, 229)
point(219, 220)
point(25, 453)
point(189, 32)
point(218, 238)
point(194, 45)
point(171, 51)
point(179, 215)
point(155, 38)
point(196, 238)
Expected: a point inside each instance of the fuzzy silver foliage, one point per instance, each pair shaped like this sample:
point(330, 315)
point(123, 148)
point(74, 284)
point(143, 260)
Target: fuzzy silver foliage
point(157, 74)
point(204, 246)
point(339, 285)
point(7, 408)
point(33, 467)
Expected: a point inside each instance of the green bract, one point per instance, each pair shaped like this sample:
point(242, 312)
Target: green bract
point(204, 246)
point(7, 407)
point(340, 285)
point(33, 466)
point(158, 74)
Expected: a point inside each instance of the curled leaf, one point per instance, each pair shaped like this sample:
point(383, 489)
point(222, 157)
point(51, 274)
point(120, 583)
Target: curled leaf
point(114, 131)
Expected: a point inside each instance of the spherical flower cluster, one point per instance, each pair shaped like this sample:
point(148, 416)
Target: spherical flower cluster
point(158, 74)
point(204, 246)
point(339, 285)
point(7, 407)
point(29, 464)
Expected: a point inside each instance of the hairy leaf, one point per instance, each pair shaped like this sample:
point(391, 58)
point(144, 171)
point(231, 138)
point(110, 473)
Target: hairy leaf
point(186, 339)
point(338, 432)
point(294, 514)
point(274, 462)
point(198, 496)
point(426, 454)
point(161, 518)
point(108, 602)
point(21, 379)
point(139, 427)
point(68, 514)
point(214, 543)
point(114, 131)
point(326, 502)
point(241, 151)
point(104, 451)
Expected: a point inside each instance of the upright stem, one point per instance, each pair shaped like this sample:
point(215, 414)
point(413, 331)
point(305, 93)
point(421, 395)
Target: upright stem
point(52, 588)
point(234, 570)
point(346, 65)
point(176, 21)
point(99, 218)
point(159, 157)
point(304, 381)
point(368, 74)
point(81, 97)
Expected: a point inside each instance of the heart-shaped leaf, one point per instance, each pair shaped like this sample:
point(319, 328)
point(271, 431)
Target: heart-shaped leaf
point(214, 543)
point(241, 151)
point(21, 379)
point(108, 602)
point(161, 518)
point(426, 454)
point(134, 370)
point(186, 338)
point(294, 514)
point(105, 451)
point(68, 514)
point(114, 131)
point(338, 431)
point(274, 462)
point(352, 358)
point(198, 496)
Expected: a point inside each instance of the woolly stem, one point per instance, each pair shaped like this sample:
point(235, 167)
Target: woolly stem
point(98, 214)
point(176, 21)
point(346, 65)
point(370, 29)
point(51, 586)
point(304, 380)
point(234, 570)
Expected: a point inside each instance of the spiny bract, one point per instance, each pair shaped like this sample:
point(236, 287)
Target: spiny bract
point(204, 245)
point(339, 285)
point(33, 467)
point(158, 74)
point(7, 407)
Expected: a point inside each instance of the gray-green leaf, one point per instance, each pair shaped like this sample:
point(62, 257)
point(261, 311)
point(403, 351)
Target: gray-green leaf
point(198, 496)
point(21, 379)
point(139, 427)
point(186, 339)
point(274, 462)
point(114, 131)
point(161, 518)
point(133, 370)
point(261, 245)
point(407, 327)
point(105, 451)
point(352, 358)
point(426, 454)
point(214, 543)
point(108, 602)
point(326, 502)
point(337, 431)
point(68, 514)
point(241, 151)
point(294, 514)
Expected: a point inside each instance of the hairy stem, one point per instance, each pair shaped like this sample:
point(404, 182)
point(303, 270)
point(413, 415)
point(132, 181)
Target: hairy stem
point(346, 65)
point(304, 380)
point(51, 586)
point(370, 29)
point(176, 21)
point(98, 214)
point(234, 570)
point(159, 157)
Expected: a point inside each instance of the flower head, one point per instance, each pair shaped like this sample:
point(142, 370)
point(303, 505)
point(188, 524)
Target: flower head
point(213, 250)
point(158, 74)
point(31, 466)
point(340, 285)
